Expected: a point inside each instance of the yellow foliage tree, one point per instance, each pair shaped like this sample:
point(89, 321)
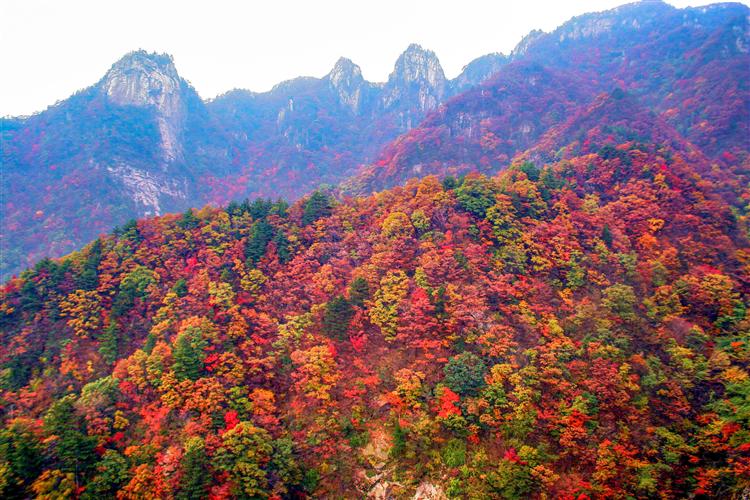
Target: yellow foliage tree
point(83, 310)
point(315, 372)
point(384, 310)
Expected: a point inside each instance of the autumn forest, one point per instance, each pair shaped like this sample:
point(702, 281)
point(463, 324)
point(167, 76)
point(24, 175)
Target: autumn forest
point(573, 325)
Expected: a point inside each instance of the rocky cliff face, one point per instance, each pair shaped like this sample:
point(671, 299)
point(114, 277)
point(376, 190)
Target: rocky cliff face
point(527, 41)
point(416, 85)
point(141, 142)
point(346, 81)
point(150, 80)
point(417, 81)
point(689, 67)
point(624, 19)
point(148, 190)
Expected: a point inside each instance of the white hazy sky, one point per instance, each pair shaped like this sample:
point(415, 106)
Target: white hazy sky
point(51, 48)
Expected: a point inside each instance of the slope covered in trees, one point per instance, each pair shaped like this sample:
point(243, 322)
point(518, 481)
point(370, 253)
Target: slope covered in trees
point(688, 68)
point(574, 330)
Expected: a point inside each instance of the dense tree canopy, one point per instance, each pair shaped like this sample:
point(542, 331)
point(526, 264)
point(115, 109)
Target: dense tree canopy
point(575, 329)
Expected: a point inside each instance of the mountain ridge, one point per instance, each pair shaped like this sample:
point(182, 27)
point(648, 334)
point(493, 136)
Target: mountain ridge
point(692, 71)
point(130, 161)
point(152, 145)
point(533, 287)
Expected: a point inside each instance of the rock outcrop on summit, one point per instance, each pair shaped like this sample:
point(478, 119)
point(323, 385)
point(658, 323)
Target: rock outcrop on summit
point(150, 81)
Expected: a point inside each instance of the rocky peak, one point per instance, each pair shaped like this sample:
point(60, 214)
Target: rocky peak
point(142, 79)
point(346, 80)
point(645, 14)
point(417, 65)
point(150, 80)
point(344, 71)
point(418, 75)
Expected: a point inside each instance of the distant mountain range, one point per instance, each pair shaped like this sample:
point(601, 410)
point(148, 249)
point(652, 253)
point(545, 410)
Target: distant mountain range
point(141, 142)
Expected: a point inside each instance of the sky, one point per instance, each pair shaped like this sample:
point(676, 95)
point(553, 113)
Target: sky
point(49, 49)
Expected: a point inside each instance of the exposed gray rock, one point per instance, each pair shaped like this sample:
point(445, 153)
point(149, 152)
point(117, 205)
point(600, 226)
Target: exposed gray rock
point(150, 80)
point(385, 490)
point(589, 28)
point(417, 74)
point(147, 189)
point(742, 40)
point(478, 71)
point(429, 491)
point(526, 42)
point(346, 81)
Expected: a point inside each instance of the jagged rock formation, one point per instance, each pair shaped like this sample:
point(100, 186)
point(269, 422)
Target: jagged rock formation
point(416, 85)
point(478, 71)
point(573, 327)
point(150, 80)
point(347, 82)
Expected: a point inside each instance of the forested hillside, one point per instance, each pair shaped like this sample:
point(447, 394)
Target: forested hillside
point(576, 329)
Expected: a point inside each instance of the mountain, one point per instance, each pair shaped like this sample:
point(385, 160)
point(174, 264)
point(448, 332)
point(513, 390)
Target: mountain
point(145, 81)
point(141, 142)
point(507, 114)
point(116, 150)
point(611, 119)
point(312, 131)
point(691, 67)
point(575, 330)
point(416, 85)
